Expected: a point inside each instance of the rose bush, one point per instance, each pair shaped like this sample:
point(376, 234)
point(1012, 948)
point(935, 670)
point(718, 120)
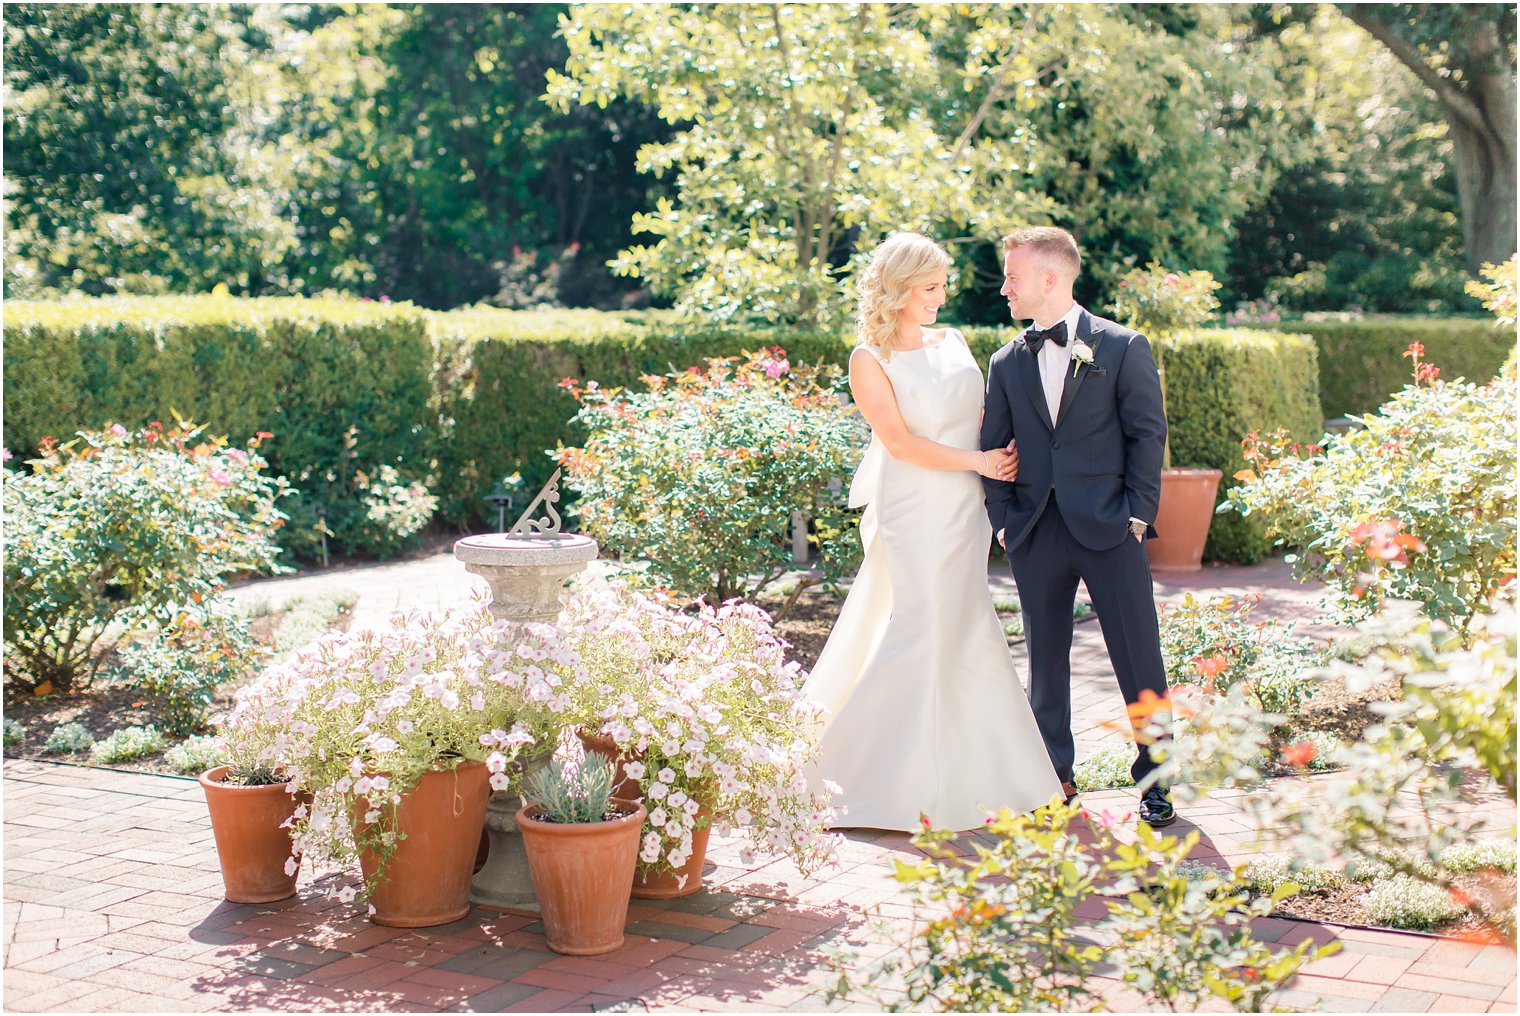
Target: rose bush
point(1419, 503)
point(116, 528)
point(701, 474)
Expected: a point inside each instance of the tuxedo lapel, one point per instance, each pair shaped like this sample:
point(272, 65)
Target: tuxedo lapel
point(1074, 379)
point(1029, 370)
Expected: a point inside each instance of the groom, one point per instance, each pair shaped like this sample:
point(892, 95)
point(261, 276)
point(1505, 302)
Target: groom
point(1082, 398)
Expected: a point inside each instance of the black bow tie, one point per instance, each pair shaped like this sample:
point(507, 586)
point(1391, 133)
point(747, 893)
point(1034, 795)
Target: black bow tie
point(1055, 333)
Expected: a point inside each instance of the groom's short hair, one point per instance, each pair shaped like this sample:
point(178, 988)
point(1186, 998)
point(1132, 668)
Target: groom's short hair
point(1050, 242)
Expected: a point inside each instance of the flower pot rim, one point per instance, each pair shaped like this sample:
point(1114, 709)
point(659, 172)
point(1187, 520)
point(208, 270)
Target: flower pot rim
point(1192, 471)
point(636, 815)
point(216, 776)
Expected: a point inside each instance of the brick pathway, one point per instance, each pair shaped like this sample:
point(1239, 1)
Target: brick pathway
point(112, 902)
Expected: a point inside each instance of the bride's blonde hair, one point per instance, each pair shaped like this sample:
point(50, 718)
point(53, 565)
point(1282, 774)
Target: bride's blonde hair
point(902, 262)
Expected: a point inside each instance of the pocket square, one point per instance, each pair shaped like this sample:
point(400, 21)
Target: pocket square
point(1098, 371)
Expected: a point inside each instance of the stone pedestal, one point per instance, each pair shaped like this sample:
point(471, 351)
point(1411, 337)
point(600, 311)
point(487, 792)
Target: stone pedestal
point(527, 576)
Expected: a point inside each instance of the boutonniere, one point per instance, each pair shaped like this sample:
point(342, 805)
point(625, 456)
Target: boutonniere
point(1081, 353)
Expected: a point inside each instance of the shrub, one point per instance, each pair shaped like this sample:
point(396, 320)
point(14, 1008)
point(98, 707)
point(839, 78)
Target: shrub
point(1223, 385)
point(1359, 365)
point(116, 527)
point(1404, 902)
point(1002, 931)
point(1160, 303)
point(343, 383)
point(1420, 504)
point(1212, 644)
point(128, 743)
point(68, 737)
point(395, 510)
point(182, 662)
point(1267, 875)
point(194, 755)
point(15, 733)
point(702, 473)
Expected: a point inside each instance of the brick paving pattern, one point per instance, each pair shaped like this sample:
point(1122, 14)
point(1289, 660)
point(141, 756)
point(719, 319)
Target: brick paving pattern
point(113, 902)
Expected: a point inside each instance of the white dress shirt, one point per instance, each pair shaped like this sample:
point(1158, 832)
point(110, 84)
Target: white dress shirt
point(1055, 361)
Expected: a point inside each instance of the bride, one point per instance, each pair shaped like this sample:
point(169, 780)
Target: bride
point(925, 713)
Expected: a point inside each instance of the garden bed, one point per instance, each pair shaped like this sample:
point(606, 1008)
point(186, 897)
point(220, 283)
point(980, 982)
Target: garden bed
point(107, 706)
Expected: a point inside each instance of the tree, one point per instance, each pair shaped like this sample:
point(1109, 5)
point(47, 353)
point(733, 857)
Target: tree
point(1465, 55)
point(124, 166)
point(1367, 216)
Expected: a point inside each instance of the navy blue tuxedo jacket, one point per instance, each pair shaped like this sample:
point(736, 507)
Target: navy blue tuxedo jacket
point(1100, 458)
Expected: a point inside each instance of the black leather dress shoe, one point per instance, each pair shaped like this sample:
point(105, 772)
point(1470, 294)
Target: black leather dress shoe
point(1156, 808)
point(1069, 790)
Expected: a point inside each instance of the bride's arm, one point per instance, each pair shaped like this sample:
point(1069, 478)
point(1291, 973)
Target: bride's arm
point(872, 391)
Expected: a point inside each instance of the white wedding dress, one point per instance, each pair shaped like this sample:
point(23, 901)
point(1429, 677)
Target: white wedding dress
point(925, 710)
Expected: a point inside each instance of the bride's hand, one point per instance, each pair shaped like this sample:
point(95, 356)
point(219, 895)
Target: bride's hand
point(999, 464)
point(1011, 467)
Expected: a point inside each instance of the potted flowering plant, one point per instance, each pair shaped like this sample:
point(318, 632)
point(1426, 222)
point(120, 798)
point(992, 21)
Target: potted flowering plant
point(399, 733)
point(252, 802)
point(711, 717)
point(1161, 304)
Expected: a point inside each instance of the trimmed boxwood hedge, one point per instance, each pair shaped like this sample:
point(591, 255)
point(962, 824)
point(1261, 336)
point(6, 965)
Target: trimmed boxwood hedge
point(1223, 384)
point(472, 395)
point(1362, 363)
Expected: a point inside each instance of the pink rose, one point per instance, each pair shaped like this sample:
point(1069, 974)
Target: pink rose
point(1172, 278)
point(5, 455)
point(118, 430)
point(775, 368)
point(220, 477)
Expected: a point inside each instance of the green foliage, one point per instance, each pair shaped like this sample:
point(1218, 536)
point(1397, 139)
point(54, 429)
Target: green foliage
point(1003, 932)
point(1453, 715)
point(395, 510)
point(15, 733)
point(702, 473)
point(1160, 303)
point(343, 385)
point(1267, 875)
point(1405, 902)
point(68, 737)
point(1212, 644)
point(129, 166)
point(182, 661)
point(194, 755)
point(127, 744)
point(1223, 384)
point(117, 527)
point(1359, 363)
point(1418, 504)
point(1497, 294)
point(577, 793)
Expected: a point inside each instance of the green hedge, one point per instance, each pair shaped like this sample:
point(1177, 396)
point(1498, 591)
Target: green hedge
point(306, 370)
point(1221, 385)
point(1362, 363)
point(470, 396)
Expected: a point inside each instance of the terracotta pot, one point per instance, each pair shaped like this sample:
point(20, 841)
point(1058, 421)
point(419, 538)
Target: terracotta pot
point(1182, 520)
point(250, 843)
point(583, 875)
point(624, 788)
point(665, 883)
point(426, 881)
